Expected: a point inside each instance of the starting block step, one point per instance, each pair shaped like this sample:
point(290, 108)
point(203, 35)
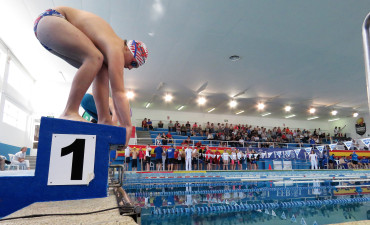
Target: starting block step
point(72, 163)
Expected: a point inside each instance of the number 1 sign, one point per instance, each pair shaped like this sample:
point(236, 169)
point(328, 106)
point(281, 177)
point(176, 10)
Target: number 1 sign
point(72, 159)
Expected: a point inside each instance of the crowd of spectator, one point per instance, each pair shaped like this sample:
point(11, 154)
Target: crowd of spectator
point(238, 134)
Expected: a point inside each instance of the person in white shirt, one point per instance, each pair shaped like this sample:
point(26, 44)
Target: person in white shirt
point(313, 158)
point(20, 158)
point(233, 159)
point(127, 157)
point(147, 157)
point(188, 152)
point(239, 155)
point(225, 159)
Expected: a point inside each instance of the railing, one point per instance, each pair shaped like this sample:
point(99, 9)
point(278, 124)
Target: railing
point(228, 144)
point(366, 43)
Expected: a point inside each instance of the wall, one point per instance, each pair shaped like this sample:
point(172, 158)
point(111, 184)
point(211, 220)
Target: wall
point(202, 118)
point(11, 136)
point(349, 124)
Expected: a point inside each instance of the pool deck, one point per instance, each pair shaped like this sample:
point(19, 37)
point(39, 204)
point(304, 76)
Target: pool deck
point(70, 207)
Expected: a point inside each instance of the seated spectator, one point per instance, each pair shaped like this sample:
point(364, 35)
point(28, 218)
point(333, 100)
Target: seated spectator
point(178, 129)
point(183, 130)
point(3, 161)
point(171, 127)
point(188, 126)
point(158, 139)
point(365, 163)
point(160, 124)
point(164, 139)
point(342, 163)
point(144, 124)
point(150, 124)
point(188, 141)
point(209, 136)
point(198, 144)
point(169, 137)
point(20, 158)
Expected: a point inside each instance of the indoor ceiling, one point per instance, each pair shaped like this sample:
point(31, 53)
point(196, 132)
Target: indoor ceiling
point(298, 53)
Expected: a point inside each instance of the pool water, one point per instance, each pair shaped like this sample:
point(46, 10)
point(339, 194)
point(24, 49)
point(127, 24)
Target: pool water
point(257, 202)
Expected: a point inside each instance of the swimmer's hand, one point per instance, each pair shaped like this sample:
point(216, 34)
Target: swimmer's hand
point(128, 135)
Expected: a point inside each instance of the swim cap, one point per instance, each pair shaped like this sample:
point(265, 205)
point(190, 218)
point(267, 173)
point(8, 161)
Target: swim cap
point(139, 50)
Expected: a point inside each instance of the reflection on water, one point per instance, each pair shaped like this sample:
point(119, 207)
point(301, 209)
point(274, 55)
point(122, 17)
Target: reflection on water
point(253, 203)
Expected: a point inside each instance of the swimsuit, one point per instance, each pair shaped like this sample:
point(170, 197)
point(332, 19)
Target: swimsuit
point(49, 12)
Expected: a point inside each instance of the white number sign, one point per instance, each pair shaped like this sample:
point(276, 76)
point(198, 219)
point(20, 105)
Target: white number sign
point(72, 159)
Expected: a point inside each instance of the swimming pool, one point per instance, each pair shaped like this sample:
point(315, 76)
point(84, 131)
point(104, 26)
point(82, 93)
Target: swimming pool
point(218, 199)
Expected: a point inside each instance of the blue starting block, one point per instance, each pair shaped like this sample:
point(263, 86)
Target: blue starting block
point(72, 163)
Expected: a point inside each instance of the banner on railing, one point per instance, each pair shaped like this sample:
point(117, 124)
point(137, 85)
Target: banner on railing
point(332, 146)
point(366, 141)
point(348, 144)
point(320, 148)
point(308, 150)
point(297, 151)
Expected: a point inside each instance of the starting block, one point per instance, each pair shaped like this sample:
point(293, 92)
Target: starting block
point(72, 163)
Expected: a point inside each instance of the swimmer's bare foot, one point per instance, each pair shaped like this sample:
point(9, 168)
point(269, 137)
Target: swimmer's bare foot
point(75, 117)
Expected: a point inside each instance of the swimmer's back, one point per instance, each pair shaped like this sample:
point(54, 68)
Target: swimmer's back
point(95, 27)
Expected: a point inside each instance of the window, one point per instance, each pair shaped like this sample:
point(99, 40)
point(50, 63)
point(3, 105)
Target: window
point(14, 116)
point(2, 64)
point(16, 74)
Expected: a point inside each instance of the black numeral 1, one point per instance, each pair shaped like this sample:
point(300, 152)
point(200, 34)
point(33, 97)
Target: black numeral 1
point(78, 150)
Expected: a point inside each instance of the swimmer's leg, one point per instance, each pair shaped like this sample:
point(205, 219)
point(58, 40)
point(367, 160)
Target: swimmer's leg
point(65, 39)
point(101, 96)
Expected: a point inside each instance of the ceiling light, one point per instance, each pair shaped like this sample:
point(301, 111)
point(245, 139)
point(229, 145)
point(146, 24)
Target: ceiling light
point(334, 112)
point(151, 34)
point(147, 105)
point(239, 112)
point(260, 106)
point(234, 58)
point(130, 95)
point(312, 118)
point(290, 116)
point(312, 110)
point(201, 100)
point(287, 108)
point(233, 103)
point(355, 114)
point(181, 107)
point(266, 114)
point(168, 98)
point(211, 110)
point(331, 120)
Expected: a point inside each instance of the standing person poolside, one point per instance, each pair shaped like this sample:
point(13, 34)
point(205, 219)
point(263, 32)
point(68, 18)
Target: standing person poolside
point(134, 159)
point(188, 152)
point(89, 43)
point(148, 151)
point(158, 157)
point(313, 159)
point(127, 157)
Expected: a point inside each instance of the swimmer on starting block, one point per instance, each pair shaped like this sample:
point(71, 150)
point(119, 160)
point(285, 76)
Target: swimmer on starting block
point(89, 43)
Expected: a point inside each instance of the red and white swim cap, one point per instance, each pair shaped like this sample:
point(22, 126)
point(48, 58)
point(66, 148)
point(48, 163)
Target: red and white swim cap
point(139, 50)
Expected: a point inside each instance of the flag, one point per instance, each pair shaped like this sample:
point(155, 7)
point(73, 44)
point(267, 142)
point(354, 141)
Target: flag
point(348, 144)
point(278, 153)
point(269, 154)
point(283, 216)
point(263, 155)
point(366, 141)
point(293, 219)
point(267, 212)
point(288, 153)
point(297, 151)
point(308, 150)
point(332, 146)
point(303, 222)
point(273, 212)
point(320, 148)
